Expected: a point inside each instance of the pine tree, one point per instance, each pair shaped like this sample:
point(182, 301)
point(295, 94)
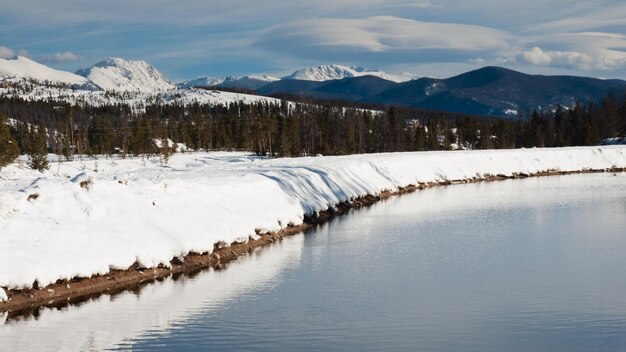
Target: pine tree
point(8, 145)
point(39, 153)
point(420, 138)
point(432, 143)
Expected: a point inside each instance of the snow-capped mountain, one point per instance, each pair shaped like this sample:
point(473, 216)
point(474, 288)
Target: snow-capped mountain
point(120, 75)
point(332, 72)
point(138, 81)
point(265, 78)
point(250, 82)
point(22, 67)
point(200, 82)
point(492, 91)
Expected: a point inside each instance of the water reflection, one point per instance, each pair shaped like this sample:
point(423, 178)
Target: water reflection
point(519, 265)
point(106, 322)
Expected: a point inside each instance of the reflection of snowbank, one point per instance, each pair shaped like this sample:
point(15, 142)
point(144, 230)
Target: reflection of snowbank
point(504, 195)
point(106, 322)
point(139, 210)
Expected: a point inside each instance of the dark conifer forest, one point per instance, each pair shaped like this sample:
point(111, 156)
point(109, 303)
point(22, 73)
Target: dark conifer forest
point(294, 129)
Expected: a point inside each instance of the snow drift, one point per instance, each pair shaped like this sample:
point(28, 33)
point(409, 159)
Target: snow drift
point(85, 218)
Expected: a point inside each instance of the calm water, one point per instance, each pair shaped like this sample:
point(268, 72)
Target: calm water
point(524, 265)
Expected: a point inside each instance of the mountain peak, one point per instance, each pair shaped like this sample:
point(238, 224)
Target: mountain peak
point(245, 82)
point(484, 76)
point(111, 61)
point(334, 71)
point(126, 75)
point(325, 73)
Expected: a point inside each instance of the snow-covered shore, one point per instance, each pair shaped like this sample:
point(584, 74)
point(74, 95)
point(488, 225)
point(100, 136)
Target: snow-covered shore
point(138, 210)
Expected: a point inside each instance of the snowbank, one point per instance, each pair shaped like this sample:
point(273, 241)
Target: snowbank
point(85, 218)
point(106, 323)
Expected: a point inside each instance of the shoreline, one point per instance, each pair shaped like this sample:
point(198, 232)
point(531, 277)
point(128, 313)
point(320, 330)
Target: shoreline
point(67, 292)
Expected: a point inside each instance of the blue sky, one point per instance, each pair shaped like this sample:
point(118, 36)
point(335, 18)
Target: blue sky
point(193, 38)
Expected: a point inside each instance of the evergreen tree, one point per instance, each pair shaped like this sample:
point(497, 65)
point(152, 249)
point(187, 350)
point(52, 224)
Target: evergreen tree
point(420, 138)
point(9, 149)
point(39, 152)
point(432, 142)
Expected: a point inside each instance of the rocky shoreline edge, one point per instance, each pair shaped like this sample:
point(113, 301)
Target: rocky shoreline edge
point(67, 292)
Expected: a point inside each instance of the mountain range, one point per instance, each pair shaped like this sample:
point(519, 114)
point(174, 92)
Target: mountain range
point(334, 72)
point(492, 91)
point(489, 91)
point(242, 82)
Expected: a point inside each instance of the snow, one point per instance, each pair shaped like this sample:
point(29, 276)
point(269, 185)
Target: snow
point(331, 72)
point(110, 323)
point(265, 78)
point(134, 83)
point(614, 140)
point(116, 81)
point(212, 97)
point(434, 88)
point(136, 100)
point(180, 147)
point(213, 81)
point(138, 210)
point(120, 75)
point(201, 82)
point(3, 295)
point(22, 67)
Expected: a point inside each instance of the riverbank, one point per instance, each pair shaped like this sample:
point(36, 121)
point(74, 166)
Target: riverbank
point(311, 184)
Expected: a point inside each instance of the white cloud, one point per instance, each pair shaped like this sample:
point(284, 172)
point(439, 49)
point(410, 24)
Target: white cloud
point(245, 34)
point(596, 17)
point(538, 56)
point(581, 51)
point(382, 34)
point(60, 57)
point(420, 5)
point(6, 53)
point(477, 61)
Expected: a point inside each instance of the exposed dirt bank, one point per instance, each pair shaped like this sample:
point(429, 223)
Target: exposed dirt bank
point(62, 293)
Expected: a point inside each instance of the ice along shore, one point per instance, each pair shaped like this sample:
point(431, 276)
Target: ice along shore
point(87, 227)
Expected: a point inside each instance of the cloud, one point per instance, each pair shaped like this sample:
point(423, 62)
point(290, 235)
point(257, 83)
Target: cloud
point(60, 57)
point(594, 18)
point(537, 56)
point(6, 53)
point(230, 37)
point(478, 61)
point(580, 51)
point(382, 35)
point(419, 5)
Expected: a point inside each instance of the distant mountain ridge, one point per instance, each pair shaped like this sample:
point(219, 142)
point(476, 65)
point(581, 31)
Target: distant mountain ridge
point(352, 88)
point(252, 82)
point(497, 91)
point(332, 72)
point(491, 91)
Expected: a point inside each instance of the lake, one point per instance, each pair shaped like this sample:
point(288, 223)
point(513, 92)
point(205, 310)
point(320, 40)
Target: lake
point(519, 265)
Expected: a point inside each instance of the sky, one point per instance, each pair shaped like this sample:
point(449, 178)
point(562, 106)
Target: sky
point(439, 38)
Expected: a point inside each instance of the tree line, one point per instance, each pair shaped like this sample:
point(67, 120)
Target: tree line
point(287, 129)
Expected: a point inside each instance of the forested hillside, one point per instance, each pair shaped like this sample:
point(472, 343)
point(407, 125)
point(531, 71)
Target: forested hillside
point(289, 129)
